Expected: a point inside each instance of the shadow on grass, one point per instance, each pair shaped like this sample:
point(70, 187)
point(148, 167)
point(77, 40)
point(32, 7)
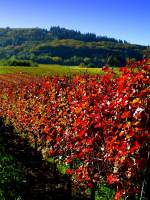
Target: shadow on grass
point(24, 175)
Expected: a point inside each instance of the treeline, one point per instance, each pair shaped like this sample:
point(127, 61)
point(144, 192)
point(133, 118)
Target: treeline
point(68, 47)
point(16, 62)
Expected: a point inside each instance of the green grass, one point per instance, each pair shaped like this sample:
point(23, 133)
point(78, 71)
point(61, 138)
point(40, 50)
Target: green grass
point(11, 175)
point(48, 69)
point(104, 193)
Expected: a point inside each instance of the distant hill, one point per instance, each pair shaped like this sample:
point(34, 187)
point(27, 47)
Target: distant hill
point(67, 47)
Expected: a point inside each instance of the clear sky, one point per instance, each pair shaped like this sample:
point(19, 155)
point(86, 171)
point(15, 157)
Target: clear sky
point(122, 19)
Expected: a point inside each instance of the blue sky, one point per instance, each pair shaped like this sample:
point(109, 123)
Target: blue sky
point(122, 19)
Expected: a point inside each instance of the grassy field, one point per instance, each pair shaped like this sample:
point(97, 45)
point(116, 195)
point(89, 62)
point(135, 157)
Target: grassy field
point(48, 69)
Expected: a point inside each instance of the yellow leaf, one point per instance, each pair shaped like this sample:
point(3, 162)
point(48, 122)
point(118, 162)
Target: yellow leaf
point(121, 133)
point(137, 100)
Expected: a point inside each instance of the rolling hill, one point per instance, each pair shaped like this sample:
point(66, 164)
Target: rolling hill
point(67, 47)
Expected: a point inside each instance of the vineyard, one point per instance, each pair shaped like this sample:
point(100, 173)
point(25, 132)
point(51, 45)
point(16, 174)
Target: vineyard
point(94, 125)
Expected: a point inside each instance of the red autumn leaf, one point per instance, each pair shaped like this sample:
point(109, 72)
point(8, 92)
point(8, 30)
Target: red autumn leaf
point(135, 147)
point(126, 114)
point(118, 195)
point(105, 68)
point(51, 152)
point(112, 179)
point(81, 133)
point(90, 185)
point(89, 141)
point(69, 171)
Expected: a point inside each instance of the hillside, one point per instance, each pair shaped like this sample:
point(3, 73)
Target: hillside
point(68, 47)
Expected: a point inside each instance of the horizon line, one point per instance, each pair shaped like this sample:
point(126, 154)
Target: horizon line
point(97, 35)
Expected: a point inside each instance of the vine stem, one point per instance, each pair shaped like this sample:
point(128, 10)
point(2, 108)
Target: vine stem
point(146, 182)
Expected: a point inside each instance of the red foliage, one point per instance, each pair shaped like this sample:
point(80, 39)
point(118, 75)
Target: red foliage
point(96, 124)
point(112, 179)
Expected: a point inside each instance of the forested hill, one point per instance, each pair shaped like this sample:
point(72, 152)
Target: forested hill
point(68, 47)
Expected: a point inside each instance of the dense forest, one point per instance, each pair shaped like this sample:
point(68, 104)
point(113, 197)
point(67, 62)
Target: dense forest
point(67, 47)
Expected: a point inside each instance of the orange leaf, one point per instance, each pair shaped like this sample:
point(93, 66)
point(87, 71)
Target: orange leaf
point(126, 114)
